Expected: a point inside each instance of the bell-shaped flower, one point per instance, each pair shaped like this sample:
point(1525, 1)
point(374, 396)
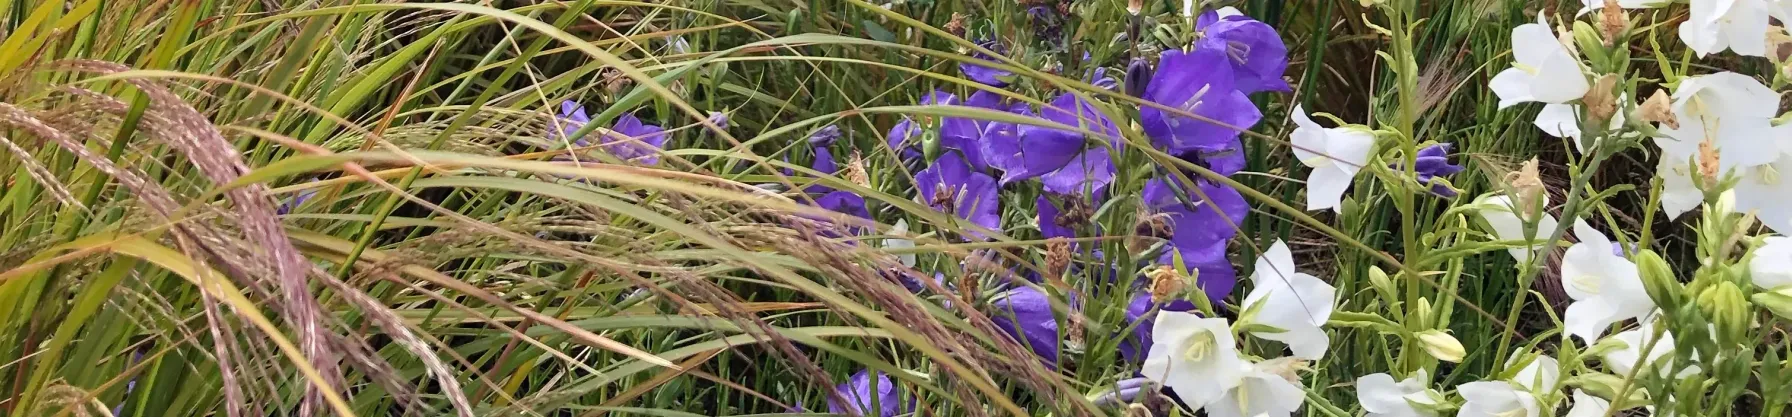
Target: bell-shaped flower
point(1606, 288)
point(1503, 216)
point(628, 139)
point(1036, 151)
point(1139, 315)
point(845, 202)
point(1266, 389)
point(1335, 154)
point(1026, 314)
point(1732, 111)
point(1496, 399)
point(1562, 121)
point(1380, 396)
point(1198, 82)
point(870, 394)
point(1737, 25)
point(1433, 162)
point(951, 186)
point(1621, 361)
point(1199, 222)
point(1589, 406)
point(1771, 265)
point(1195, 357)
point(1255, 50)
point(987, 75)
point(1543, 69)
point(1296, 303)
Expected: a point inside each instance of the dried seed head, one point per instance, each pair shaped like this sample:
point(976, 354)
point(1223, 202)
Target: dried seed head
point(1600, 101)
point(1286, 367)
point(1137, 410)
point(1659, 108)
point(855, 170)
point(1779, 44)
point(1057, 257)
point(614, 81)
point(1076, 211)
point(1612, 22)
point(1166, 284)
point(1073, 336)
point(955, 26)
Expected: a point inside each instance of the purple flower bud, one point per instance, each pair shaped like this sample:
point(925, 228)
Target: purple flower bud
point(719, 119)
point(825, 137)
point(1138, 77)
point(1433, 162)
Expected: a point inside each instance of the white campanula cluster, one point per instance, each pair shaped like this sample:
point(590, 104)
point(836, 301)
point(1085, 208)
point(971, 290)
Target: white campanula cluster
point(1199, 359)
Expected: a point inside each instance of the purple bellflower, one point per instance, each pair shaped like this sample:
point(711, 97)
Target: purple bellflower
point(906, 136)
point(870, 394)
point(1254, 49)
point(1434, 162)
point(951, 186)
point(1025, 314)
point(1199, 82)
point(1065, 162)
point(628, 139)
point(286, 207)
point(1199, 229)
point(990, 76)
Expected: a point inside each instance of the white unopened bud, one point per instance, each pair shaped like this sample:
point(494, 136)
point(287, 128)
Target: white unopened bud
point(1441, 345)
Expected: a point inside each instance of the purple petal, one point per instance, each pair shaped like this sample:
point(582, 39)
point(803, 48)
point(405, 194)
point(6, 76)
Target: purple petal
point(1089, 172)
point(1026, 314)
point(1028, 151)
point(905, 138)
point(1199, 82)
point(844, 202)
point(1048, 220)
point(1255, 50)
point(867, 391)
point(973, 193)
point(984, 74)
point(632, 140)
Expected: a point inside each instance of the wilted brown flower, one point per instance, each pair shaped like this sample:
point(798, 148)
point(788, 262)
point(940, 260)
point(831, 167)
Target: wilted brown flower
point(1612, 22)
point(1600, 101)
point(1527, 188)
point(1659, 108)
point(1166, 284)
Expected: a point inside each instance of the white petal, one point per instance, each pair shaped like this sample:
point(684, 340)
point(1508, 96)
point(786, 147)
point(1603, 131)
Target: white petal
point(1379, 394)
point(1539, 375)
point(1513, 86)
point(1771, 266)
point(1325, 188)
point(1678, 193)
point(901, 229)
point(1589, 318)
point(1308, 140)
point(1351, 148)
point(1489, 399)
point(1588, 406)
point(1559, 80)
point(1533, 43)
point(1560, 121)
point(1747, 28)
point(1261, 394)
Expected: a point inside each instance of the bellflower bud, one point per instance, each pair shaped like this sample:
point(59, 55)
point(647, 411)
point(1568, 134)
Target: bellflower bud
point(1442, 346)
point(1779, 302)
point(1138, 76)
point(1658, 279)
